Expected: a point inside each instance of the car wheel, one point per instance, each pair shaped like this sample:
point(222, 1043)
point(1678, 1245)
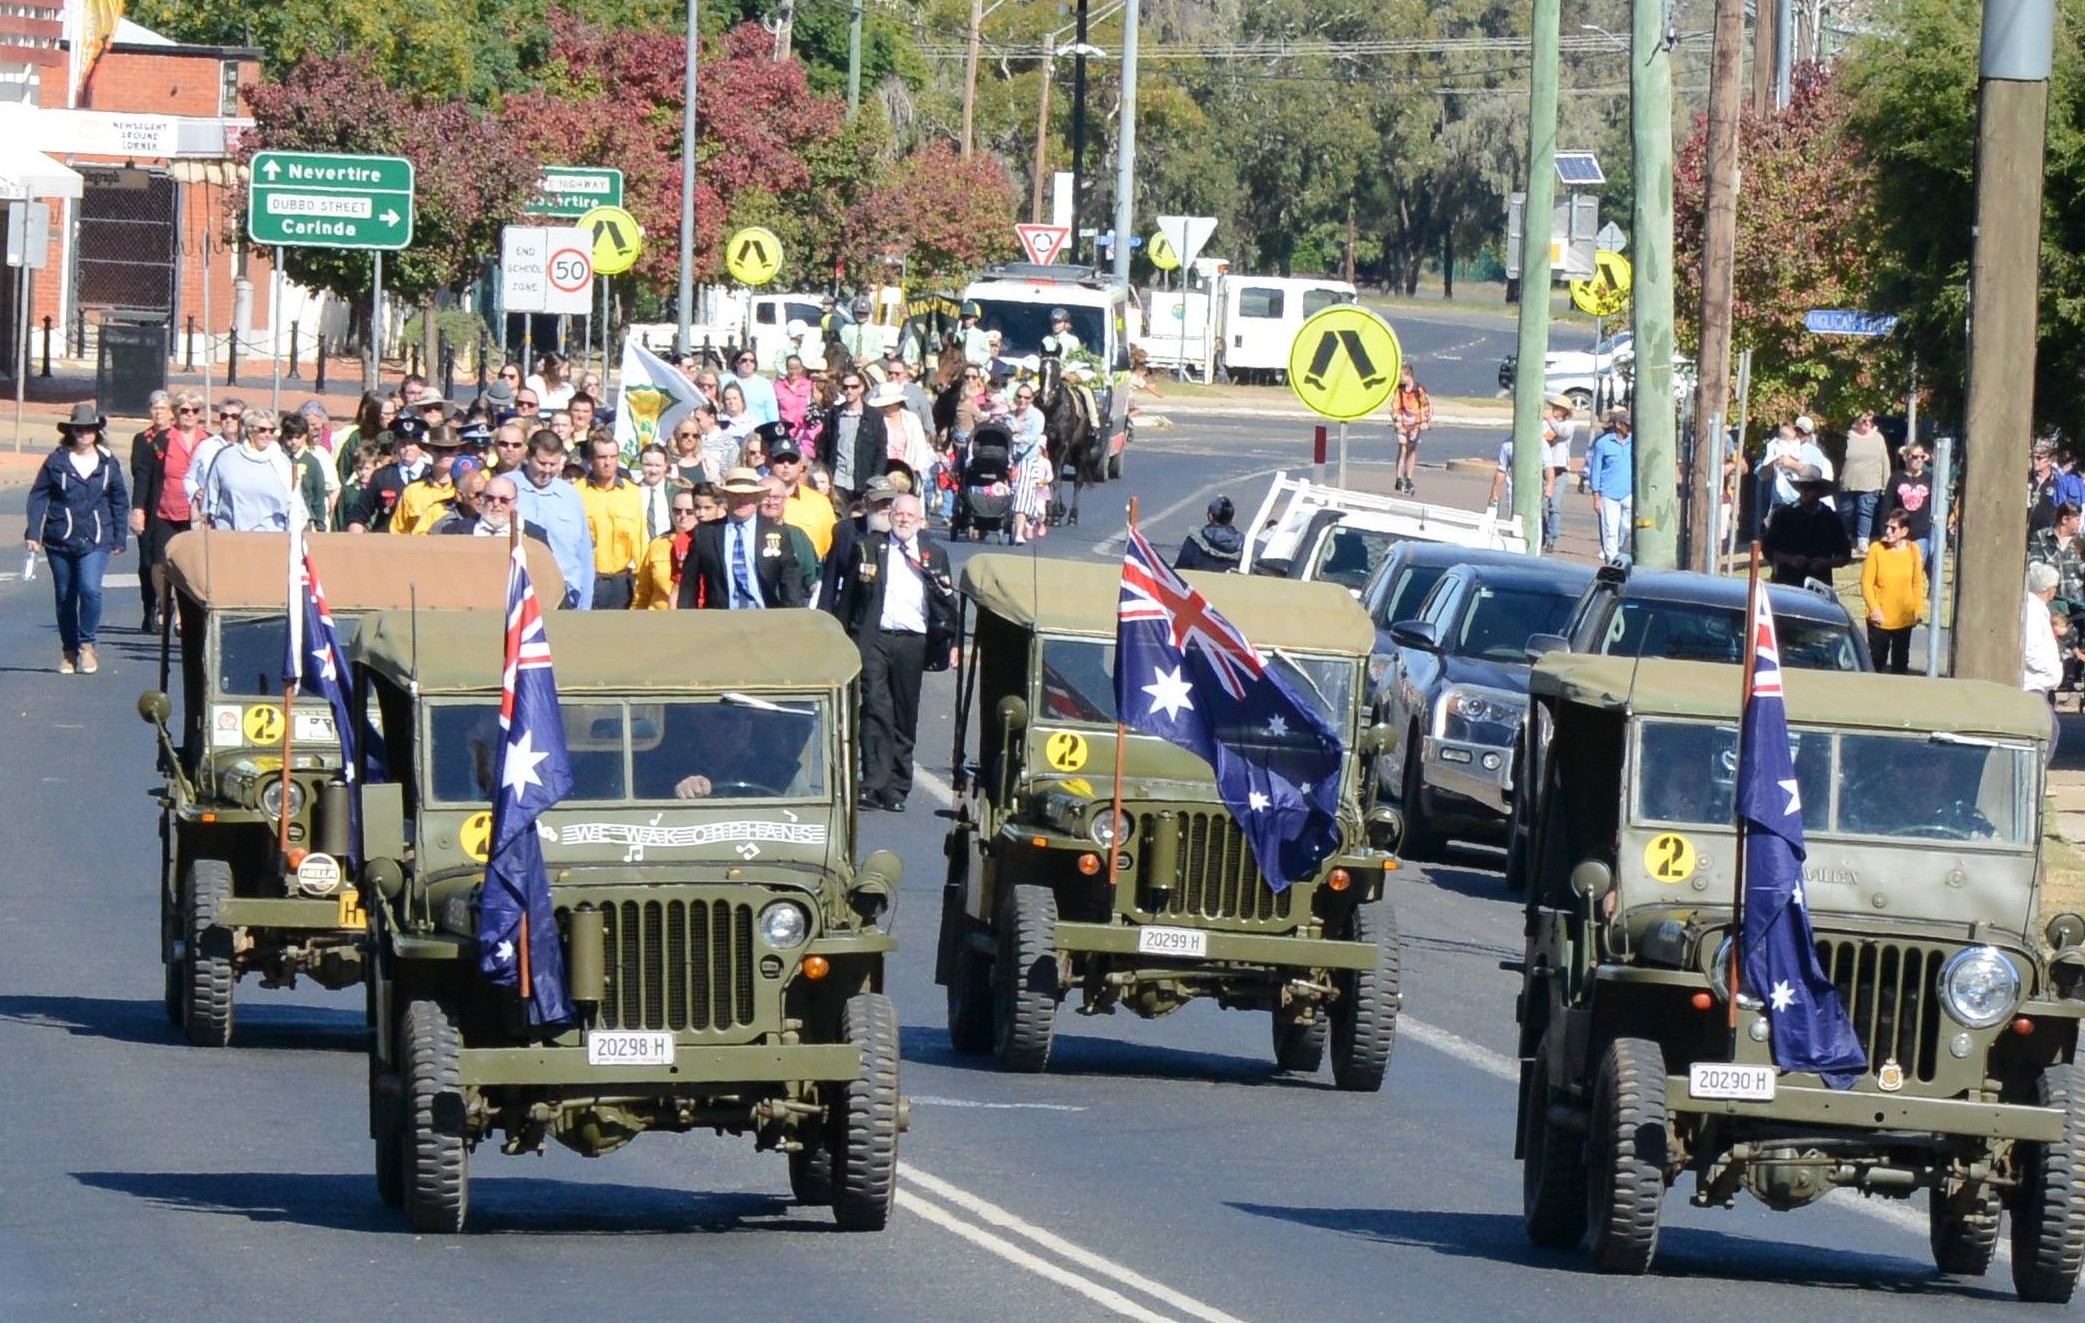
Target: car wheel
point(1364, 1018)
point(207, 979)
point(1421, 842)
point(1552, 1165)
point(1963, 1230)
point(1299, 1045)
point(1580, 398)
point(1025, 982)
point(437, 1164)
point(2049, 1205)
point(1625, 1167)
point(865, 1134)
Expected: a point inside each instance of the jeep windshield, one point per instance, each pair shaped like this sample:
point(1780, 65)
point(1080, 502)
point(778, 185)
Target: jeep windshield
point(1851, 784)
point(1695, 631)
point(735, 747)
point(1022, 324)
point(1078, 684)
point(249, 653)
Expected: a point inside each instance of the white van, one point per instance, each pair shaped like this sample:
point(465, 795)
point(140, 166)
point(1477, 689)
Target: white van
point(1016, 300)
point(1261, 315)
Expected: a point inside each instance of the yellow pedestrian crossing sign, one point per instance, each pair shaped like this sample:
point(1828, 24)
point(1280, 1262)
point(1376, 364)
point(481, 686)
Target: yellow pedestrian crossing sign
point(1607, 293)
point(753, 255)
point(1344, 362)
point(617, 239)
point(1161, 251)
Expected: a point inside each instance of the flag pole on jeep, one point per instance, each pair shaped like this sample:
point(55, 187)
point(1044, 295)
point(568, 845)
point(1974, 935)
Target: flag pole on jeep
point(1121, 748)
point(1737, 892)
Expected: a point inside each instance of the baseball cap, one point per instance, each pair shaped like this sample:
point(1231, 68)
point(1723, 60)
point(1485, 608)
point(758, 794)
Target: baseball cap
point(464, 464)
point(879, 489)
point(1804, 424)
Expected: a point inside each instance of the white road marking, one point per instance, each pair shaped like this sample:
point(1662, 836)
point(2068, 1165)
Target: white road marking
point(935, 786)
point(1056, 1244)
point(1113, 1301)
point(929, 1100)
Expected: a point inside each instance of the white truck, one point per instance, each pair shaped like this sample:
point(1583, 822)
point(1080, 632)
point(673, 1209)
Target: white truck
point(1307, 530)
point(1239, 325)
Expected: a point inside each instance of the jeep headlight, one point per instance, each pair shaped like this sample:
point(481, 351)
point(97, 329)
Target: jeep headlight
point(1479, 716)
point(1108, 827)
point(784, 924)
point(271, 797)
point(1980, 986)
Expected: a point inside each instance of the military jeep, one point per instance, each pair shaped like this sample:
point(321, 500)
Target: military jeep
point(720, 946)
point(231, 901)
point(1184, 912)
point(1921, 805)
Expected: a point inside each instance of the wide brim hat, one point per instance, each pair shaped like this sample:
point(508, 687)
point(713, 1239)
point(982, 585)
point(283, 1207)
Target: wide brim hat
point(885, 395)
point(1559, 401)
point(500, 394)
point(85, 418)
point(742, 482)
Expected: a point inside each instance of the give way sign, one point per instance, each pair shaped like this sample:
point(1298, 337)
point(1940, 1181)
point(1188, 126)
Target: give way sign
point(1044, 244)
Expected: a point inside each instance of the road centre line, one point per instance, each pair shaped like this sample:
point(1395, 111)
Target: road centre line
point(1056, 1244)
point(1114, 1301)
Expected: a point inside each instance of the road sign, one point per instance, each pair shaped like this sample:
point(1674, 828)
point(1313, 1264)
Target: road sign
point(1344, 362)
point(1044, 244)
point(1611, 237)
point(1839, 321)
point(1187, 234)
point(28, 234)
point(1607, 293)
point(574, 190)
point(1162, 255)
point(753, 255)
point(617, 239)
point(547, 269)
point(305, 199)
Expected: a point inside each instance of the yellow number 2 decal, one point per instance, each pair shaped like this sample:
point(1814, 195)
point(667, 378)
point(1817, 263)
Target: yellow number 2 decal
point(1065, 751)
point(1669, 858)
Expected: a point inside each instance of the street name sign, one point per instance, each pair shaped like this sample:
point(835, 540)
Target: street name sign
point(571, 191)
point(314, 200)
point(1841, 321)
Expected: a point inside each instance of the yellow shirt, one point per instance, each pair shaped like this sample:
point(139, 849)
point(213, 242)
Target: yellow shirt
point(615, 517)
point(809, 509)
point(1893, 582)
point(421, 506)
point(655, 590)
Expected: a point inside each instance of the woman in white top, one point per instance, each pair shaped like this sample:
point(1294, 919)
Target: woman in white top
point(1032, 477)
point(251, 487)
point(552, 381)
point(732, 418)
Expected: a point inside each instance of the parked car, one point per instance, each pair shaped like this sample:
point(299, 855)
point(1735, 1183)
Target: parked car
point(1701, 617)
point(1308, 530)
point(1457, 690)
point(1399, 587)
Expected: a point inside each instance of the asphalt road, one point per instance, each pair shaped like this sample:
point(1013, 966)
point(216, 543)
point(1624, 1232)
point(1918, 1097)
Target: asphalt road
point(1161, 1170)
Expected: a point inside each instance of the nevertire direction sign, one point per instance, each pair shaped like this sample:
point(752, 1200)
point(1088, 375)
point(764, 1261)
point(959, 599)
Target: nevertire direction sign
point(571, 191)
point(312, 200)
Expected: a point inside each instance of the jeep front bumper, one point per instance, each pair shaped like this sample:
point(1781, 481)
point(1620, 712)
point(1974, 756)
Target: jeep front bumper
point(1805, 1104)
point(751, 1064)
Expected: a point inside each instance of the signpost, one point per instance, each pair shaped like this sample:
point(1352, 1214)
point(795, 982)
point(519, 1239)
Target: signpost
point(28, 249)
point(547, 269)
point(1044, 244)
point(1344, 365)
point(1840, 321)
point(1186, 235)
point(617, 239)
point(571, 191)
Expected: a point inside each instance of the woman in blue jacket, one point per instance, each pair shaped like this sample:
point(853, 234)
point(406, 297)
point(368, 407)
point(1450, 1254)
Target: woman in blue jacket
point(79, 515)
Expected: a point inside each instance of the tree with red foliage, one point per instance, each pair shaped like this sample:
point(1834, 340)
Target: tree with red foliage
point(945, 214)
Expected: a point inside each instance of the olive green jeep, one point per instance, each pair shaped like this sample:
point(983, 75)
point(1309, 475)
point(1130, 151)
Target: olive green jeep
point(1921, 805)
point(232, 900)
point(720, 945)
point(1048, 895)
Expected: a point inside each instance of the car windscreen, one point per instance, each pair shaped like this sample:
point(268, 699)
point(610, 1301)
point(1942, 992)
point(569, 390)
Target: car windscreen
point(1849, 783)
point(1497, 622)
point(1349, 557)
point(1078, 682)
point(736, 748)
point(249, 653)
point(1022, 325)
point(1695, 631)
point(1408, 592)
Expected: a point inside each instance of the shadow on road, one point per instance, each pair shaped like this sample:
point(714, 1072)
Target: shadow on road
point(336, 1202)
point(1471, 882)
point(298, 1028)
point(1081, 1054)
point(1683, 1252)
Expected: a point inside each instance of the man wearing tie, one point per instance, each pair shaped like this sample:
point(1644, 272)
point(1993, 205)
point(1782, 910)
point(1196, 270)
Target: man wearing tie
point(743, 562)
point(653, 464)
point(900, 608)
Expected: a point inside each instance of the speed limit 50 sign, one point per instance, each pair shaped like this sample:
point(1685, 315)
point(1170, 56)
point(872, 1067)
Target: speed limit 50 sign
point(547, 269)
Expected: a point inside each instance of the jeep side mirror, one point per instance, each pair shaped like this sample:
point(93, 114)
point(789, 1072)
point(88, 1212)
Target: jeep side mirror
point(1541, 645)
point(1378, 740)
point(1013, 714)
point(1423, 635)
point(875, 882)
point(1591, 878)
point(154, 708)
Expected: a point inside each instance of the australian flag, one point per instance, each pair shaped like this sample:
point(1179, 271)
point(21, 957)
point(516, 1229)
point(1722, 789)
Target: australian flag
point(1185, 674)
point(314, 662)
point(1811, 1031)
point(517, 927)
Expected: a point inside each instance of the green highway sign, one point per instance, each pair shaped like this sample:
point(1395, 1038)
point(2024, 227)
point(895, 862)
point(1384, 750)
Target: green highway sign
point(574, 190)
point(314, 200)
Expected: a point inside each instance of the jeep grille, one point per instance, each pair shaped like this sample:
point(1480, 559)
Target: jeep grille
point(1890, 989)
point(1216, 878)
point(678, 964)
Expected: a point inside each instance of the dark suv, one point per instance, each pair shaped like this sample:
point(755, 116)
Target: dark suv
point(1685, 616)
point(1399, 586)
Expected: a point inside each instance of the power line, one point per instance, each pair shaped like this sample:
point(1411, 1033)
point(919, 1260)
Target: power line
point(1291, 50)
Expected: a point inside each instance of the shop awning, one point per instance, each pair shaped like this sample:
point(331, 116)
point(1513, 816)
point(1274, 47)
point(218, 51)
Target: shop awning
point(27, 173)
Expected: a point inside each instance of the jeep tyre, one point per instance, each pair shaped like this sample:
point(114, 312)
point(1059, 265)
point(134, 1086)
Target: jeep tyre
point(2049, 1205)
point(437, 1166)
point(1364, 1017)
point(1025, 979)
point(206, 997)
point(969, 979)
point(1963, 1230)
point(811, 1170)
point(1299, 1045)
point(1552, 1165)
point(1625, 1152)
point(864, 1161)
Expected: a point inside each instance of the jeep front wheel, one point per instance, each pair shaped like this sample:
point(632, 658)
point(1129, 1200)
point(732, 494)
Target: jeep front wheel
point(969, 974)
point(436, 1161)
point(2049, 1205)
point(1025, 980)
point(1364, 1017)
point(1552, 1165)
point(1299, 1045)
point(206, 1000)
point(1963, 1230)
point(1625, 1171)
point(865, 1134)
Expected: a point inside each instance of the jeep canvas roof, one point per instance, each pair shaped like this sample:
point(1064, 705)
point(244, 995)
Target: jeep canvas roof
point(359, 571)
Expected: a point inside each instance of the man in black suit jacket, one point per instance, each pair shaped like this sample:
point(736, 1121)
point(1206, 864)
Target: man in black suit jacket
point(743, 561)
point(899, 606)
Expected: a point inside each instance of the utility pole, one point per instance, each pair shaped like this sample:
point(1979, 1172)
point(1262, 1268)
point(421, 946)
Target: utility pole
point(1529, 385)
point(1762, 56)
point(687, 286)
point(977, 23)
point(854, 58)
point(1784, 51)
point(1718, 278)
point(1126, 144)
point(1042, 126)
point(1656, 540)
point(1078, 134)
point(2012, 125)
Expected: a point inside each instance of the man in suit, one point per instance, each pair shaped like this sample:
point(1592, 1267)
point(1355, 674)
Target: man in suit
point(743, 562)
point(899, 606)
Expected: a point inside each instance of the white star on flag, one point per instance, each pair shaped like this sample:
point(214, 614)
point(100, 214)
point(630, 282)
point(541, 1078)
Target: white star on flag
point(323, 655)
point(1782, 997)
point(1795, 801)
point(1797, 896)
point(522, 761)
point(1170, 693)
point(1278, 725)
point(1258, 801)
point(504, 951)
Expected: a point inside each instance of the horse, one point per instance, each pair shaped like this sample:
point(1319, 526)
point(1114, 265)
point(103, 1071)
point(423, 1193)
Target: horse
point(1070, 424)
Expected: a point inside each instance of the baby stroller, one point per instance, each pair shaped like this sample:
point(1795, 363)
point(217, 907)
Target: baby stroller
point(985, 501)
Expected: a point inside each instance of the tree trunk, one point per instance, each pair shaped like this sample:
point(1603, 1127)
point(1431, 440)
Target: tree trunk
point(1447, 263)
